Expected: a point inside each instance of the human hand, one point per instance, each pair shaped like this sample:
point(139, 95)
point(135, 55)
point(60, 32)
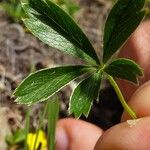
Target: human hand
point(78, 135)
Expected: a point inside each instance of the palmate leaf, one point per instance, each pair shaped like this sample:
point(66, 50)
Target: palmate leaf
point(42, 84)
point(124, 69)
point(123, 19)
point(56, 28)
point(84, 94)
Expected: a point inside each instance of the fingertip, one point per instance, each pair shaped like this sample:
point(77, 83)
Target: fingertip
point(76, 134)
point(131, 135)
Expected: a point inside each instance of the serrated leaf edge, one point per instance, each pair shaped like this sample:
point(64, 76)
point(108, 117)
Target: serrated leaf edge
point(137, 75)
point(70, 99)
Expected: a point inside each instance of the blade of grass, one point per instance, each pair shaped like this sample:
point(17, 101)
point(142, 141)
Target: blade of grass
point(53, 111)
point(27, 118)
point(40, 124)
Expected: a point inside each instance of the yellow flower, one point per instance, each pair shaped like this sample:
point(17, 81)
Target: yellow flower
point(40, 143)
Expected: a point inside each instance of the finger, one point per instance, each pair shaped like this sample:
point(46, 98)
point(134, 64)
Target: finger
point(140, 102)
point(138, 49)
point(76, 135)
point(133, 135)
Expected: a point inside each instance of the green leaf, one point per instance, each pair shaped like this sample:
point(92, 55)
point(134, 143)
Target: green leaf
point(42, 84)
point(84, 94)
point(124, 69)
point(123, 19)
point(71, 7)
point(56, 28)
point(17, 137)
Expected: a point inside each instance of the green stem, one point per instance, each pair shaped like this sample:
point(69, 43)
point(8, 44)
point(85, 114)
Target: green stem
point(121, 98)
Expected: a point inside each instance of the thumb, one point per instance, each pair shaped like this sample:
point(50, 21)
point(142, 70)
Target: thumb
point(125, 136)
point(131, 135)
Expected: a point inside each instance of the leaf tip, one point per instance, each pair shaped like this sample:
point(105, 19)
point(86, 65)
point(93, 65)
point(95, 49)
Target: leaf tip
point(76, 114)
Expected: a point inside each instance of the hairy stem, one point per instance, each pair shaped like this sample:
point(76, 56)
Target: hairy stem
point(127, 108)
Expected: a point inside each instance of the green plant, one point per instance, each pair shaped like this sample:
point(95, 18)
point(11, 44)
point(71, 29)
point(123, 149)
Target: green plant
point(13, 9)
point(50, 111)
point(39, 139)
point(68, 5)
point(16, 138)
point(53, 26)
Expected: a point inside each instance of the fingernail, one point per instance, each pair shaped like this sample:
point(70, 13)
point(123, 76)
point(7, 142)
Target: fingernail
point(62, 142)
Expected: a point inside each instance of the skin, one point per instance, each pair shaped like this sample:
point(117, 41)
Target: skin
point(79, 135)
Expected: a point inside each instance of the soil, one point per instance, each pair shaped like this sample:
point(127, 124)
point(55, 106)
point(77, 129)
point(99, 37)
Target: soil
point(21, 53)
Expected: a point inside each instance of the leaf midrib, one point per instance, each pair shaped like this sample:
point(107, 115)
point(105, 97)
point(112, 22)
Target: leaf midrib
point(72, 37)
point(115, 25)
point(47, 83)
